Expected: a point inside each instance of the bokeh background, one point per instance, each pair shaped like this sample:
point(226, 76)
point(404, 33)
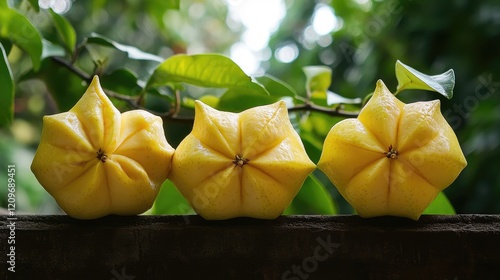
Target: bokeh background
point(359, 39)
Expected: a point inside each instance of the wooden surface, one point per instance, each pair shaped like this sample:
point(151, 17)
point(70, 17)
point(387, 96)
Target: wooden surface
point(293, 247)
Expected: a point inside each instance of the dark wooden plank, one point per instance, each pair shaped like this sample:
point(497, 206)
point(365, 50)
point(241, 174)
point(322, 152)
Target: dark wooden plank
point(293, 247)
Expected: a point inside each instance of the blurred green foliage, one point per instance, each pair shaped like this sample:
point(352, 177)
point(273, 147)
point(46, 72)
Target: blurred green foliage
point(431, 36)
point(125, 41)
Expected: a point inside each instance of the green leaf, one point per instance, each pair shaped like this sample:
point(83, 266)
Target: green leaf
point(328, 98)
point(19, 30)
point(440, 206)
point(312, 199)
point(170, 201)
point(333, 98)
point(318, 78)
point(205, 70)
point(7, 94)
point(51, 49)
point(122, 81)
point(276, 87)
point(65, 31)
point(132, 52)
point(317, 84)
point(237, 100)
point(409, 78)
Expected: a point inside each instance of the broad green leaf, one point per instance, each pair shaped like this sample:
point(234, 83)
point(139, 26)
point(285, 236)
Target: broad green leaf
point(122, 81)
point(440, 206)
point(51, 49)
point(409, 78)
point(163, 93)
point(237, 100)
point(21, 32)
point(65, 31)
point(204, 70)
point(157, 102)
point(312, 199)
point(276, 87)
point(318, 78)
point(132, 52)
point(170, 201)
point(7, 93)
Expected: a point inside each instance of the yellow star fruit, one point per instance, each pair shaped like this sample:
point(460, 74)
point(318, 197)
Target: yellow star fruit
point(394, 158)
point(250, 164)
point(95, 161)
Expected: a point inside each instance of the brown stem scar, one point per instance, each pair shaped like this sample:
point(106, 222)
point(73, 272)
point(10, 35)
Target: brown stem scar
point(240, 161)
point(101, 155)
point(392, 153)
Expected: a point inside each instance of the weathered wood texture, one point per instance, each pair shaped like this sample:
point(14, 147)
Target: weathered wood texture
point(294, 247)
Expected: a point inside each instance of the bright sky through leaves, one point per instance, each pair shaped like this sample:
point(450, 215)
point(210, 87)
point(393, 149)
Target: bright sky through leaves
point(261, 18)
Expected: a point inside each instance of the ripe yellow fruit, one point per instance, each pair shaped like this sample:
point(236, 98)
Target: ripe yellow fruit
point(394, 158)
point(250, 164)
point(95, 161)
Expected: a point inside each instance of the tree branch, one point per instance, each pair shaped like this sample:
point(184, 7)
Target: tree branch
point(172, 115)
point(132, 101)
point(338, 112)
point(83, 75)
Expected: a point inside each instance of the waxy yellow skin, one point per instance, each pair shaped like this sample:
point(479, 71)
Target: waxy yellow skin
point(95, 161)
point(250, 164)
point(394, 158)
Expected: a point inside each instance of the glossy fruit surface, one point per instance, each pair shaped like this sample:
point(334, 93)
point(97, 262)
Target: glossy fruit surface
point(250, 164)
point(95, 161)
point(394, 158)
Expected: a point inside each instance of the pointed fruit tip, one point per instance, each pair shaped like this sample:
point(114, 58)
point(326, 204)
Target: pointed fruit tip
point(96, 84)
point(199, 105)
point(381, 86)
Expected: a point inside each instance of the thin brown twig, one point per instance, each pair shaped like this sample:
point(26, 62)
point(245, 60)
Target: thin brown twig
point(177, 108)
point(172, 115)
point(338, 112)
point(83, 75)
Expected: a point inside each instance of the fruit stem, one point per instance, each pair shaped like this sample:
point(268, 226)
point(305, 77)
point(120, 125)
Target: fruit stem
point(240, 161)
point(101, 155)
point(392, 153)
